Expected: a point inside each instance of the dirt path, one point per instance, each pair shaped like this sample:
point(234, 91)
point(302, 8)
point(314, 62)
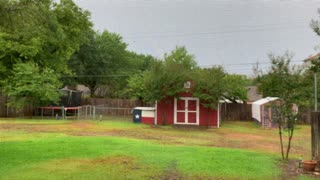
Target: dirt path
point(171, 173)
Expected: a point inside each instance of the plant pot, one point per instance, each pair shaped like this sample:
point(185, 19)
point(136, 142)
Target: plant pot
point(309, 165)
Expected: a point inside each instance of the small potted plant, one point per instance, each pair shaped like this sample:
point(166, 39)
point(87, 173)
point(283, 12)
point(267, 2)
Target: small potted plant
point(309, 165)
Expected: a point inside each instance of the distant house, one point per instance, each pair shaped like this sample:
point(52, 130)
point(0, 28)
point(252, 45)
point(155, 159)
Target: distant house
point(311, 58)
point(253, 94)
point(307, 61)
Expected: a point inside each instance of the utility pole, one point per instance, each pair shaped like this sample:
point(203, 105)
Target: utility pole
point(315, 92)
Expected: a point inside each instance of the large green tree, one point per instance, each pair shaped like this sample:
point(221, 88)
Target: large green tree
point(43, 33)
point(209, 85)
point(235, 87)
point(166, 78)
point(139, 64)
point(30, 84)
point(101, 61)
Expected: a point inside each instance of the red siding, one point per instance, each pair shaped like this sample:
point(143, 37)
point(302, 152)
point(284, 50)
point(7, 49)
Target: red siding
point(147, 120)
point(208, 117)
point(165, 109)
point(186, 94)
point(165, 113)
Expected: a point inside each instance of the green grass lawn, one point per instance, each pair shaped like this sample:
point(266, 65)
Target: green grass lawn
point(48, 149)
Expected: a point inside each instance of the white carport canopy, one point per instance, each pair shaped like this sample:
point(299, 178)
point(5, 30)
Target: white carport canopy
point(256, 107)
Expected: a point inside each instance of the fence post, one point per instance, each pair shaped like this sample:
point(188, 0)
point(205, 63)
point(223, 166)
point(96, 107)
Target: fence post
point(62, 112)
point(90, 112)
point(86, 116)
point(78, 113)
point(315, 135)
point(94, 112)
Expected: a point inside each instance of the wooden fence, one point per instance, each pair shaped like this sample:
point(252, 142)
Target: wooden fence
point(121, 103)
point(6, 111)
point(234, 111)
point(114, 107)
point(315, 135)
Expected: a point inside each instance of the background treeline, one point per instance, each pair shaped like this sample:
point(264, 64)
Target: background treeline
point(46, 45)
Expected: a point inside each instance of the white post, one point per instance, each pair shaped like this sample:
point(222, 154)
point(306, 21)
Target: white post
point(218, 113)
point(155, 114)
point(94, 112)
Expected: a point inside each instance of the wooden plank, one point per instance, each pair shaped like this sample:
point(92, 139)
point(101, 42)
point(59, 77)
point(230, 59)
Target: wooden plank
point(315, 139)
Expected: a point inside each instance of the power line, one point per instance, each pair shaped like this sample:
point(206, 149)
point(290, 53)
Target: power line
point(215, 33)
point(103, 75)
point(232, 27)
point(226, 66)
point(237, 64)
point(216, 3)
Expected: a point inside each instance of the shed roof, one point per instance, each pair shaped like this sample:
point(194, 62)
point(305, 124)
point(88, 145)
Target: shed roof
point(265, 100)
point(145, 108)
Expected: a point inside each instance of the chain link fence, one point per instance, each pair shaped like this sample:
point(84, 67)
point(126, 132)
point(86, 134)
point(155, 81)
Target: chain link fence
point(102, 112)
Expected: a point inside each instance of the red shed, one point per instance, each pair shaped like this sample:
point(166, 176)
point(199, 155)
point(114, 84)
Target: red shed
point(185, 110)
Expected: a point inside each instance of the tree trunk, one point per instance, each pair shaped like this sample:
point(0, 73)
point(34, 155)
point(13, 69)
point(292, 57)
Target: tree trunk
point(141, 101)
point(92, 90)
point(289, 143)
point(281, 141)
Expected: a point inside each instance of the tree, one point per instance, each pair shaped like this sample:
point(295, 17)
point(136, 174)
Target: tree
point(235, 87)
point(283, 81)
point(209, 86)
point(40, 36)
point(166, 78)
point(315, 25)
point(29, 84)
point(138, 65)
point(101, 61)
point(136, 87)
point(43, 32)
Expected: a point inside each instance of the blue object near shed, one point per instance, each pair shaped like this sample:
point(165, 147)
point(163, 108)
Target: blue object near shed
point(136, 114)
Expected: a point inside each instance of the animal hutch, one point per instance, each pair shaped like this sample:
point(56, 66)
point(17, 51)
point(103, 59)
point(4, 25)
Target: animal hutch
point(264, 113)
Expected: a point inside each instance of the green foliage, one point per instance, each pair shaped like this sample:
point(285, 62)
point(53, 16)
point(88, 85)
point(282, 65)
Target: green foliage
point(29, 84)
point(235, 87)
point(135, 86)
point(181, 57)
point(209, 85)
point(44, 32)
point(166, 78)
point(282, 80)
point(102, 61)
point(315, 25)
point(285, 82)
point(37, 38)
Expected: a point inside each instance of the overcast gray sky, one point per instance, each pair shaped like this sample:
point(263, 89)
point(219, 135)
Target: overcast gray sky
point(232, 33)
